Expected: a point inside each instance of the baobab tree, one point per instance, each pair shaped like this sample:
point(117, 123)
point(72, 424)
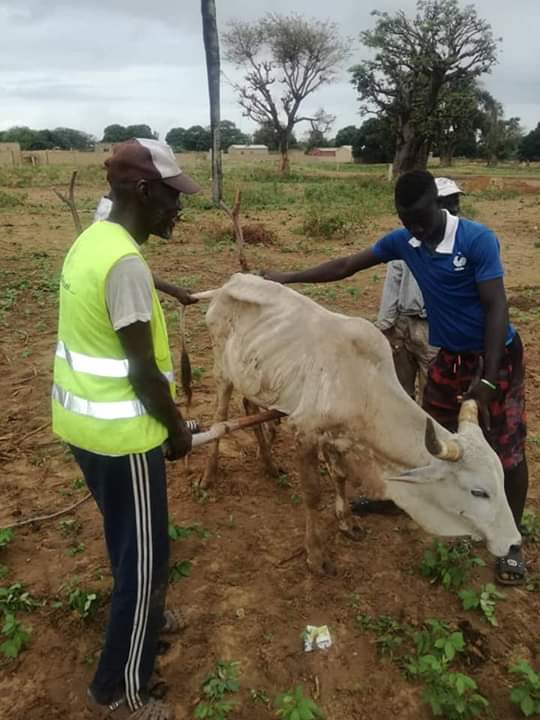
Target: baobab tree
point(415, 61)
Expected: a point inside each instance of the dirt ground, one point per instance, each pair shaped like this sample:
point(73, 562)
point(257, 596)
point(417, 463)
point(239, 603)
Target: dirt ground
point(249, 595)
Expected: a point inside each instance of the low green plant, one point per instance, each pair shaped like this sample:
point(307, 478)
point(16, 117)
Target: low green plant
point(326, 225)
point(180, 570)
point(69, 526)
point(294, 705)
point(427, 655)
point(452, 695)
point(484, 600)
point(16, 636)
point(15, 598)
point(216, 688)
point(83, 602)
point(436, 641)
point(283, 481)
point(530, 526)
point(533, 583)
point(197, 373)
point(390, 633)
point(526, 695)
point(6, 536)
point(78, 484)
point(259, 696)
point(449, 565)
point(181, 532)
point(76, 549)
point(4, 571)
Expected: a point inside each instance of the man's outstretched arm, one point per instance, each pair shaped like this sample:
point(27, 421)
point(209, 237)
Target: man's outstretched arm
point(329, 271)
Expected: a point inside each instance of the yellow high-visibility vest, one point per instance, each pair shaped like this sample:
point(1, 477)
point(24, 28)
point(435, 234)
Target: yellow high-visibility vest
point(94, 406)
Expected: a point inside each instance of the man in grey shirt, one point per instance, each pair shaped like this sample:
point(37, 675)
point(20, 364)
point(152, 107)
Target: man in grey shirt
point(402, 314)
point(130, 282)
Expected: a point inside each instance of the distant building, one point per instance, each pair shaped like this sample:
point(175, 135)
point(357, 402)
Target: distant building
point(340, 154)
point(248, 150)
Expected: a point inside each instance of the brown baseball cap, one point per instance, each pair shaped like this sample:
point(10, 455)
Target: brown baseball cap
point(142, 159)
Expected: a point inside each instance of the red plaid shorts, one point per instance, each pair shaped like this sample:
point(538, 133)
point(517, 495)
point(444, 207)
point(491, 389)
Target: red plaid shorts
point(450, 375)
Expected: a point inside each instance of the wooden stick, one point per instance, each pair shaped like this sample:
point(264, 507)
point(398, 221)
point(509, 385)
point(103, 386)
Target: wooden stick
point(70, 202)
point(43, 518)
point(224, 428)
point(234, 214)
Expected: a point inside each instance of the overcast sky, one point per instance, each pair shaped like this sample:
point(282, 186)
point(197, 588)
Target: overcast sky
point(87, 64)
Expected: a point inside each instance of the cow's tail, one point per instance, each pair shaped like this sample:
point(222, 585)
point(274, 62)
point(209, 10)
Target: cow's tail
point(186, 376)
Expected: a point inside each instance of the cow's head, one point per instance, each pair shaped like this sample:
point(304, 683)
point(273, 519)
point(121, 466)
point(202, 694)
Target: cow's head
point(461, 491)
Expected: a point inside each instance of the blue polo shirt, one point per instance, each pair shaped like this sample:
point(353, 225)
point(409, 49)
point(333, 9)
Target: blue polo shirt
point(448, 278)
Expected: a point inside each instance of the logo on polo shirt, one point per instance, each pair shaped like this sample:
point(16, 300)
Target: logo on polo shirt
point(459, 262)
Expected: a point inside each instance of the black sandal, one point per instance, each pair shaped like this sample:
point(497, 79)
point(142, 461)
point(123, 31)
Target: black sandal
point(365, 506)
point(511, 569)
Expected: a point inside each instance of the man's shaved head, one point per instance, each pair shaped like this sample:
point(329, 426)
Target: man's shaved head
point(415, 188)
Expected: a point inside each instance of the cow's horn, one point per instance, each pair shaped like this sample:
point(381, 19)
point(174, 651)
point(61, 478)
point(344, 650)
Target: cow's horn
point(444, 450)
point(469, 412)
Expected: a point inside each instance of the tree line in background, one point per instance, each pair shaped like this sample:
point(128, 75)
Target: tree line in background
point(483, 133)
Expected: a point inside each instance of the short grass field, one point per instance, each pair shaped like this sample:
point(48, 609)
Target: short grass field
point(417, 630)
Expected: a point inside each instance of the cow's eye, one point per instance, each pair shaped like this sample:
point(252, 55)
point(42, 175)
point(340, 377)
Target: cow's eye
point(480, 494)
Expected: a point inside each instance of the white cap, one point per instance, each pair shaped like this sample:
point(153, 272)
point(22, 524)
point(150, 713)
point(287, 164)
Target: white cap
point(446, 187)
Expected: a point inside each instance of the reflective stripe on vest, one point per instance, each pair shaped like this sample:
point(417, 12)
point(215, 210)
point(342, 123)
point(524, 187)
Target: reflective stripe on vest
point(103, 367)
point(120, 410)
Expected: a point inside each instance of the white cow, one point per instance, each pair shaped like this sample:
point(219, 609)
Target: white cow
point(334, 377)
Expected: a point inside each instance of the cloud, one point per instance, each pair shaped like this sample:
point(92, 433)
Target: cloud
point(92, 63)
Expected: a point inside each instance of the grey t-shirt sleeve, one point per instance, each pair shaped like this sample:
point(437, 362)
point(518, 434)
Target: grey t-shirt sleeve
point(129, 292)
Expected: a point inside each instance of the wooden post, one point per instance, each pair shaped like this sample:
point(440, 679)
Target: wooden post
point(234, 214)
point(70, 202)
point(211, 46)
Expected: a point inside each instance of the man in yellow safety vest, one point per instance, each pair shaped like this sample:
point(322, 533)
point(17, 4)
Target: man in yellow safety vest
point(112, 402)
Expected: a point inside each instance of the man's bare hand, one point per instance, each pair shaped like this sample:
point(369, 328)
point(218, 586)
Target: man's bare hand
point(274, 275)
point(484, 395)
point(184, 296)
point(178, 444)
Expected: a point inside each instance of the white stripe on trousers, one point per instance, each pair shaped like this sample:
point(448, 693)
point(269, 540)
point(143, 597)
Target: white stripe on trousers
point(143, 524)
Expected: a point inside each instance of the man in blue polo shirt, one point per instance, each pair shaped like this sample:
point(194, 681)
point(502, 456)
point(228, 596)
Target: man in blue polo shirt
point(458, 267)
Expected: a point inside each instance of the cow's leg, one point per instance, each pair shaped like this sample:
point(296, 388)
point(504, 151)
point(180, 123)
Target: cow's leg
point(310, 477)
point(339, 467)
point(265, 445)
point(224, 391)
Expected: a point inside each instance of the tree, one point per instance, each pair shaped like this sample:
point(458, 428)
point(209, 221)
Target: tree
point(70, 139)
point(320, 123)
point(23, 135)
point(267, 135)
point(500, 138)
point(415, 60)
point(455, 120)
point(213, 67)
point(231, 135)
point(529, 147)
point(114, 134)
point(176, 138)
point(346, 136)
point(374, 141)
point(286, 58)
point(140, 131)
point(197, 139)
point(118, 133)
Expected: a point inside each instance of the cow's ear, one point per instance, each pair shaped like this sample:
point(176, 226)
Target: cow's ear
point(427, 474)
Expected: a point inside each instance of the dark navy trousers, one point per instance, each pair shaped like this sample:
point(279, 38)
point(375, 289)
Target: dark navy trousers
point(131, 493)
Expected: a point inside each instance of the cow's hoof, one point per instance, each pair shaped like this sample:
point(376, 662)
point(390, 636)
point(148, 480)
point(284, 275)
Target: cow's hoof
point(354, 533)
